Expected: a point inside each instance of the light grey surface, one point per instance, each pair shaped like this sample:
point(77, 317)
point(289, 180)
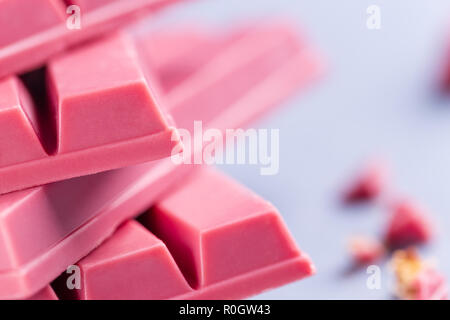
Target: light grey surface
point(378, 99)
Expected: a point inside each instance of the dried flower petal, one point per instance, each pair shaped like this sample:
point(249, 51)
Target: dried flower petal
point(367, 185)
point(365, 250)
point(416, 279)
point(408, 225)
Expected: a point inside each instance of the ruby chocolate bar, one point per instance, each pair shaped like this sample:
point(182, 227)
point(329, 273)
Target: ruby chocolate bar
point(98, 116)
point(71, 221)
point(35, 30)
point(210, 238)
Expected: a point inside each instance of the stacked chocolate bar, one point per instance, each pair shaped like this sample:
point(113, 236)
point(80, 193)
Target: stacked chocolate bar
point(84, 214)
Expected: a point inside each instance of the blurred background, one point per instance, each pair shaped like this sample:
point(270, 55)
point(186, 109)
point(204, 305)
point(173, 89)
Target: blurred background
point(379, 99)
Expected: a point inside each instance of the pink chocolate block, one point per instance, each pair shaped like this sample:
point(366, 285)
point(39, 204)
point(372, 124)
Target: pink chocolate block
point(88, 5)
point(216, 236)
point(105, 117)
point(20, 19)
point(164, 48)
point(139, 262)
point(20, 138)
point(45, 294)
point(50, 227)
point(264, 48)
point(229, 244)
point(102, 102)
point(165, 51)
point(35, 30)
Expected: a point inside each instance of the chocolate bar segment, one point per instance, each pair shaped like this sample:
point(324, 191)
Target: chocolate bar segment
point(100, 96)
point(139, 263)
point(178, 53)
point(88, 5)
point(45, 294)
point(33, 31)
point(217, 229)
point(23, 18)
point(259, 51)
point(227, 242)
point(52, 226)
point(98, 115)
point(19, 123)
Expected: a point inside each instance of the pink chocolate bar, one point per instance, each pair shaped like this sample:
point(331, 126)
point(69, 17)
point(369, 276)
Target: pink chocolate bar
point(35, 30)
point(101, 115)
point(52, 13)
point(168, 62)
point(45, 294)
point(71, 221)
point(89, 5)
point(214, 239)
